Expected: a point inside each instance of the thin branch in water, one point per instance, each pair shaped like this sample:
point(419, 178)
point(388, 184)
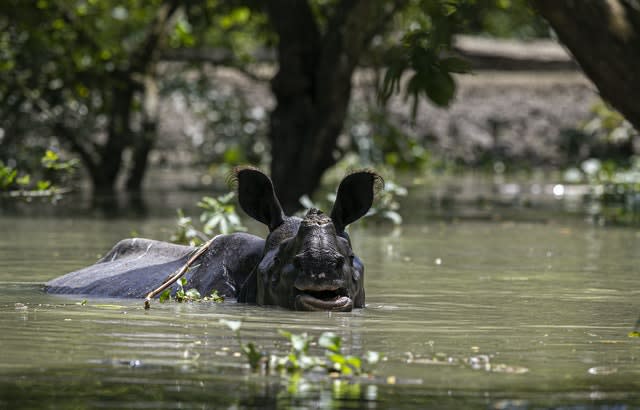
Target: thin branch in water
point(35, 193)
point(179, 273)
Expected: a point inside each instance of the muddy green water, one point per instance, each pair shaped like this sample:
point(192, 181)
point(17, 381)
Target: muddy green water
point(467, 314)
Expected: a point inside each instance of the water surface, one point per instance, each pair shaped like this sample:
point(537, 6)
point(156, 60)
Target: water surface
point(467, 314)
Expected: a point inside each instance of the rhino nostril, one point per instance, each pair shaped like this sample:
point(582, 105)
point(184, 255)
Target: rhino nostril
point(329, 261)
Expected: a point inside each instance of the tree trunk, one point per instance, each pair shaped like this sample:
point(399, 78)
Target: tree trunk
point(144, 140)
point(105, 173)
point(140, 156)
point(313, 87)
point(604, 37)
point(118, 90)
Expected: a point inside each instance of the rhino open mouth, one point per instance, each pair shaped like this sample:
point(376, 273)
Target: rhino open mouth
point(331, 300)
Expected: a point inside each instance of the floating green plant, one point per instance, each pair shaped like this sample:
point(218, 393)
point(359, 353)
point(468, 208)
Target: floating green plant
point(299, 360)
point(189, 295)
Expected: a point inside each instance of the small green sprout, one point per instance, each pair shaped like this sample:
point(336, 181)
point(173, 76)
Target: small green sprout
point(254, 356)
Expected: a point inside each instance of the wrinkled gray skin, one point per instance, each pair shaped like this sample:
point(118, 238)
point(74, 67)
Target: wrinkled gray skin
point(304, 263)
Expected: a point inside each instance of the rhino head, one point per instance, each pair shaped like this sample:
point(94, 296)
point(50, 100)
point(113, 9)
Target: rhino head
point(307, 263)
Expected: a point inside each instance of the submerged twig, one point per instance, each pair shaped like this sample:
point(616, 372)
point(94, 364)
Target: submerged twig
point(35, 193)
point(179, 273)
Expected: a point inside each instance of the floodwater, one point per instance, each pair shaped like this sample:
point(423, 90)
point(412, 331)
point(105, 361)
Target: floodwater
point(497, 313)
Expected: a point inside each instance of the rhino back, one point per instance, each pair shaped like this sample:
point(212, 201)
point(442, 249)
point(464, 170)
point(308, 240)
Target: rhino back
point(134, 267)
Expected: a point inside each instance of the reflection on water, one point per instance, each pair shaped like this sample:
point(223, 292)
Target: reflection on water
point(467, 314)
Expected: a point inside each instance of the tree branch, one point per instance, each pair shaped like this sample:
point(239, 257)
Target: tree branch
point(148, 48)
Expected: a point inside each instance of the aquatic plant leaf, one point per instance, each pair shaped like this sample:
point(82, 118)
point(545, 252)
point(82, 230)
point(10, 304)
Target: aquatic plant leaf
point(215, 297)
point(193, 294)
point(300, 343)
point(285, 334)
point(180, 296)
point(253, 355)
point(354, 363)
point(165, 296)
point(234, 325)
point(330, 341)
point(338, 361)
point(372, 357)
point(307, 362)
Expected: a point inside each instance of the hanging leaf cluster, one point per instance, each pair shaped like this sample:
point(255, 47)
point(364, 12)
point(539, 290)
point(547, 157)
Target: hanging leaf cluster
point(422, 63)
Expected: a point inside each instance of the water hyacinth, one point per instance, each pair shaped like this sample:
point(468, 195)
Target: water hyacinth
point(299, 360)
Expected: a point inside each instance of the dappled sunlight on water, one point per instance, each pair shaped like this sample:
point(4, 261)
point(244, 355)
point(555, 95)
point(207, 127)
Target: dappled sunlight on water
point(466, 314)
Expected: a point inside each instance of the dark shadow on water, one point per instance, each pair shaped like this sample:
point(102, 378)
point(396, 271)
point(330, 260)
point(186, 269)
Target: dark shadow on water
point(123, 204)
point(131, 384)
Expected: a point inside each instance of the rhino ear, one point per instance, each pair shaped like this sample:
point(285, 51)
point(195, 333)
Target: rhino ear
point(257, 197)
point(355, 197)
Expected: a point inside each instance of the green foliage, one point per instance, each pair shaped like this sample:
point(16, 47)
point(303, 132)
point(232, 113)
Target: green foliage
point(378, 142)
point(614, 178)
point(64, 56)
point(387, 205)
point(614, 189)
point(66, 69)
point(219, 216)
point(299, 360)
point(237, 27)
point(20, 184)
point(501, 18)
point(51, 160)
point(77, 74)
point(609, 125)
point(189, 295)
point(7, 176)
point(185, 232)
point(420, 54)
point(422, 64)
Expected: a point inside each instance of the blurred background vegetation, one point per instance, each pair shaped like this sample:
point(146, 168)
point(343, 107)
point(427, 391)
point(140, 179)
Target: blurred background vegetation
point(96, 92)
